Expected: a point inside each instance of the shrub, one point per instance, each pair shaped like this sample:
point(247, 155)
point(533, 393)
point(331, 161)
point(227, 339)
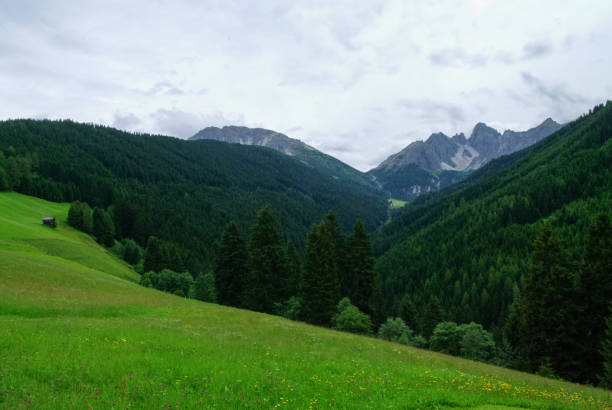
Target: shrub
point(350, 319)
point(395, 330)
point(445, 338)
point(476, 343)
point(290, 308)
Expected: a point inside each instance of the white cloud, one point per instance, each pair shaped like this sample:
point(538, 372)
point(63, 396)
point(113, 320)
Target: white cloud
point(358, 79)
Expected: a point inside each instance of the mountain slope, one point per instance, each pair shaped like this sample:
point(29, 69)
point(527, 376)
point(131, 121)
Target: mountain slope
point(442, 161)
point(308, 155)
point(75, 337)
point(180, 191)
point(468, 246)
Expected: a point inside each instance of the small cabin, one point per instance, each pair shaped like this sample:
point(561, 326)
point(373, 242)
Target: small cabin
point(49, 221)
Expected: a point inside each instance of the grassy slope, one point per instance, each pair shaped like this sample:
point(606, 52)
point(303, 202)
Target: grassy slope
point(74, 336)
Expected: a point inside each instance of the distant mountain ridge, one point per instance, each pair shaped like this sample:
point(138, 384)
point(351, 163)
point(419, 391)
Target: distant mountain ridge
point(254, 136)
point(304, 153)
point(425, 166)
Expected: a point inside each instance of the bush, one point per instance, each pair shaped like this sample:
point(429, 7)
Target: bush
point(470, 341)
point(350, 319)
point(476, 343)
point(419, 341)
point(146, 279)
point(395, 330)
point(169, 281)
point(289, 309)
point(118, 249)
point(445, 338)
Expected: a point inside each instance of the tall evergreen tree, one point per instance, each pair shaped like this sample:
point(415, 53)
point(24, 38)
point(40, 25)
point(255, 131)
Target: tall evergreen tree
point(204, 288)
point(230, 267)
point(408, 313)
point(606, 352)
point(4, 182)
point(320, 287)
point(267, 281)
point(596, 292)
point(155, 258)
point(547, 325)
point(294, 270)
point(103, 227)
point(79, 216)
point(432, 316)
point(359, 271)
point(340, 249)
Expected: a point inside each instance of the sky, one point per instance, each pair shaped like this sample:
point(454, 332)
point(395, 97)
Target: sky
point(358, 80)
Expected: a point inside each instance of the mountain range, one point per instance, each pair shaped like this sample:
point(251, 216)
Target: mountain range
point(304, 153)
point(425, 166)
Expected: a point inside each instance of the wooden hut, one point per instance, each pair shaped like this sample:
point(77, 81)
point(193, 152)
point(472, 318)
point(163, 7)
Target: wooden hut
point(49, 221)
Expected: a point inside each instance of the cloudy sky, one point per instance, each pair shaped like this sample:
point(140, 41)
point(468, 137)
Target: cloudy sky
point(356, 79)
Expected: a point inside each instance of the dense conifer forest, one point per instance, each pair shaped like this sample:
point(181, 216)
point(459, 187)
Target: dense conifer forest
point(183, 192)
point(521, 251)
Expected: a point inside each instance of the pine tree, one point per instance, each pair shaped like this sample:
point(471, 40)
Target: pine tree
point(267, 281)
point(80, 217)
point(596, 292)
point(606, 352)
point(230, 267)
point(320, 287)
point(204, 288)
point(359, 271)
point(154, 260)
point(432, 316)
point(103, 227)
point(294, 270)
point(408, 313)
point(547, 325)
point(340, 249)
point(4, 182)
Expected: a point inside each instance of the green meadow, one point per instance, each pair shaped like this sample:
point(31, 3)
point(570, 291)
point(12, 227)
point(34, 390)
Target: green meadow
point(76, 331)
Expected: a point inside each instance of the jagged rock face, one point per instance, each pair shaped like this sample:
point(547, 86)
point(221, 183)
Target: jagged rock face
point(444, 158)
point(254, 136)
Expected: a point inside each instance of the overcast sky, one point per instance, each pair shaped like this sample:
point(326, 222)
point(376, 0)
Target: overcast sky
point(356, 79)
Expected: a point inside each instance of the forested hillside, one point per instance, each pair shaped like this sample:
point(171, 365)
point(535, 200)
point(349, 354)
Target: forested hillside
point(471, 253)
point(184, 192)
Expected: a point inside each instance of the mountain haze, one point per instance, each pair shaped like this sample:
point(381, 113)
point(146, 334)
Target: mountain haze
point(425, 166)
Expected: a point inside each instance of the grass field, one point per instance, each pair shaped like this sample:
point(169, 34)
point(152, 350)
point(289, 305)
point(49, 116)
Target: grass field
point(77, 332)
point(396, 203)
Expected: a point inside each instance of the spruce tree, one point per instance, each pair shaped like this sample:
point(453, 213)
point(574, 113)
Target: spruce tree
point(431, 317)
point(4, 182)
point(103, 227)
point(320, 287)
point(230, 267)
point(294, 270)
point(408, 313)
point(547, 326)
point(204, 288)
point(267, 281)
point(154, 260)
point(80, 217)
point(340, 249)
point(359, 271)
point(596, 292)
point(606, 352)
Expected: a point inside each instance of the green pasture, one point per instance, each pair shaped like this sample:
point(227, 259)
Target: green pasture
point(76, 331)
